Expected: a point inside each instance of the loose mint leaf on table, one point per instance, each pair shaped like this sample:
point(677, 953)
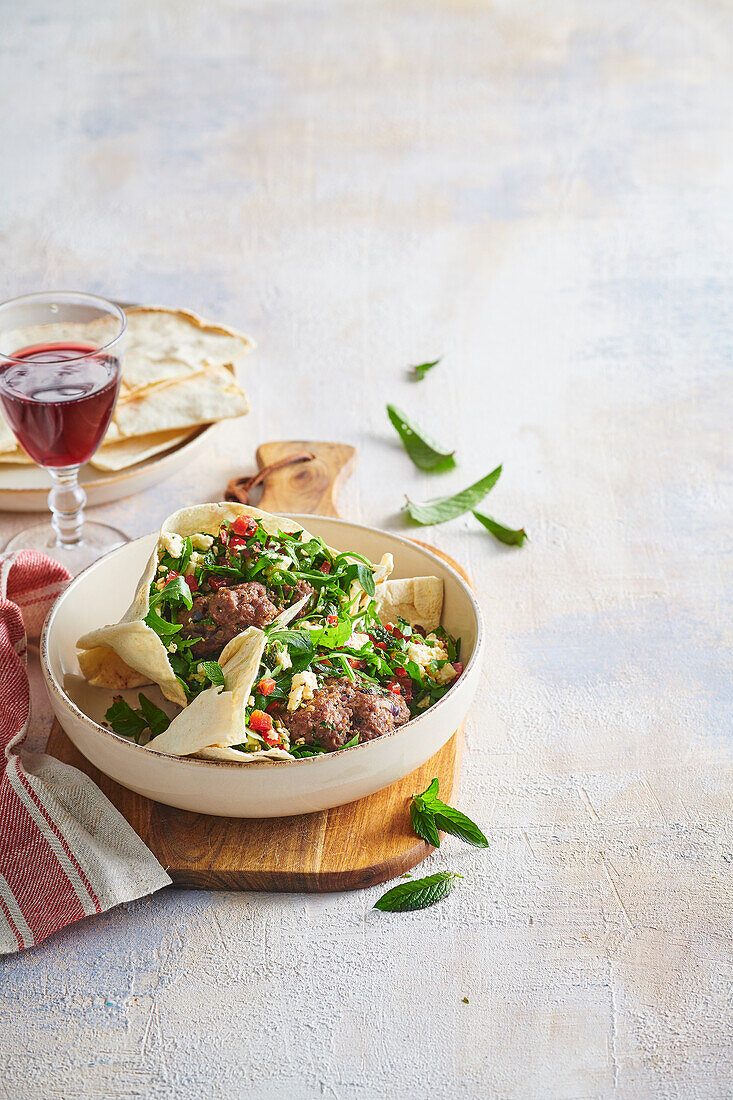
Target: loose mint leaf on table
point(423, 822)
point(427, 807)
point(424, 451)
point(419, 893)
point(214, 672)
point(442, 509)
point(422, 369)
point(504, 534)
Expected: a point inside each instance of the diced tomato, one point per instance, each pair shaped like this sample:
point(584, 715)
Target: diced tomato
point(260, 722)
point(266, 685)
point(326, 567)
point(402, 673)
point(379, 645)
point(397, 633)
point(192, 583)
point(458, 666)
point(394, 687)
point(171, 576)
point(216, 582)
point(272, 705)
point(332, 620)
point(236, 542)
point(245, 526)
point(355, 662)
point(389, 627)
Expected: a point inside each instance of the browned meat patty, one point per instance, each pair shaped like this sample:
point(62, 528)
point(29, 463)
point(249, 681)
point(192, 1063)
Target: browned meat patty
point(339, 709)
point(232, 610)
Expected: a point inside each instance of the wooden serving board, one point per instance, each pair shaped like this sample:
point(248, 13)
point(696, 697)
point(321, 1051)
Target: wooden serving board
point(348, 847)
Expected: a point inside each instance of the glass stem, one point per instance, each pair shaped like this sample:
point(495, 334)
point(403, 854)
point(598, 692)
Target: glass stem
point(66, 501)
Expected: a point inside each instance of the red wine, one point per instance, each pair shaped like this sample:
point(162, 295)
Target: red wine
point(58, 404)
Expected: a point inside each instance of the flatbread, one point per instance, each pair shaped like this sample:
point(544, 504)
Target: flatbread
point(418, 600)
point(236, 756)
point(171, 343)
point(121, 453)
point(200, 398)
point(217, 714)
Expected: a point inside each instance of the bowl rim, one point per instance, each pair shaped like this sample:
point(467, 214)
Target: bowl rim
point(54, 687)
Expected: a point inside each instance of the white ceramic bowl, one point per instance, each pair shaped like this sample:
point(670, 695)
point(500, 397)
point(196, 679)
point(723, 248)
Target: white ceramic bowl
point(103, 591)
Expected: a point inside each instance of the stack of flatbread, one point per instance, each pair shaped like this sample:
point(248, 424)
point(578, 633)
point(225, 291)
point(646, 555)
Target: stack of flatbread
point(177, 374)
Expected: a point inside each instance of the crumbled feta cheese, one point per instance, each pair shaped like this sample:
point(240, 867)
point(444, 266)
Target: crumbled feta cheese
point(173, 648)
point(423, 654)
point(251, 701)
point(357, 640)
point(446, 674)
point(303, 685)
point(283, 659)
point(173, 543)
point(196, 559)
point(199, 675)
point(202, 542)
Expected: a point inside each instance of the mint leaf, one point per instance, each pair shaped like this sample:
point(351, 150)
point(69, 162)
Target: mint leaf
point(157, 720)
point(445, 817)
point(128, 722)
point(124, 720)
point(417, 894)
point(422, 369)
point(442, 509)
point(297, 640)
point(214, 672)
point(423, 822)
point(506, 535)
point(350, 744)
point(366, 579)
point(457, 824)
point(175, 592)
point(430, 791)
point(424, 451)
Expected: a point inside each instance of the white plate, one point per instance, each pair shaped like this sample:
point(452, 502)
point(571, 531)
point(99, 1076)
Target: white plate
point(25, 488)
point(102, 593)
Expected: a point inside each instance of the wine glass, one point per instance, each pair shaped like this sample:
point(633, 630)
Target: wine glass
point(60, 360)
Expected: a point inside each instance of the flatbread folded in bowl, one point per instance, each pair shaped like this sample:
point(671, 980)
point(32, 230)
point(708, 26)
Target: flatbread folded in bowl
point(274, 645)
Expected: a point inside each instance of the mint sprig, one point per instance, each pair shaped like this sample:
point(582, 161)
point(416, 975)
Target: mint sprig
point(418, 893)
point(428, 813)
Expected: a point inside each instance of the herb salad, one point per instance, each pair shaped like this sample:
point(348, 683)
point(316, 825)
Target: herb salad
point(331, 673)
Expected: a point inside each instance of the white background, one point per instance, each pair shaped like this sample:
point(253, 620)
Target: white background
point(541, 194)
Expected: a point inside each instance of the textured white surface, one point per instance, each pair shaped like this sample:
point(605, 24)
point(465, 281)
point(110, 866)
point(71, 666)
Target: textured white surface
point(541, 193)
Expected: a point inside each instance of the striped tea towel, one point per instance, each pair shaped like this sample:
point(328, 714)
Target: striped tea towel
point(65, 851)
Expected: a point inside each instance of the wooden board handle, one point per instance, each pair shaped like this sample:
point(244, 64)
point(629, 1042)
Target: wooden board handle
point(310, 486)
